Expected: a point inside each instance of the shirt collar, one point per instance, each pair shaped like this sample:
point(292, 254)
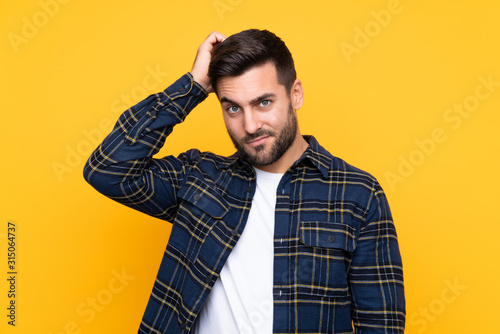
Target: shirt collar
point(317, 155)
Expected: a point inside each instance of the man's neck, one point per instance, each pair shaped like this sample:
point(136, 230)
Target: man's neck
point(291, 155)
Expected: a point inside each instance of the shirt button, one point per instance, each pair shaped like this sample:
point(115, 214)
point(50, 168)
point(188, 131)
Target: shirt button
point(182, 90)
point(331, 238)
point(234, 232)
point(196, 197)
point(249, 189)
point(208, 279)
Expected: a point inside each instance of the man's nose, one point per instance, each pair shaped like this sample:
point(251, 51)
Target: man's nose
point(252, 121)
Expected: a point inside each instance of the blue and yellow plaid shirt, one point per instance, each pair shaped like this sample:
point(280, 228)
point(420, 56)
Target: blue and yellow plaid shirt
point(336, 258)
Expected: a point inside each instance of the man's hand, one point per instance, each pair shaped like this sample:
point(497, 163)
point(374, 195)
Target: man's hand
point(202, 61)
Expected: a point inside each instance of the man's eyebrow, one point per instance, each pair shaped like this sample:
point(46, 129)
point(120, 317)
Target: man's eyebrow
point(262, 97)
point(253, 101)
point(225, 99)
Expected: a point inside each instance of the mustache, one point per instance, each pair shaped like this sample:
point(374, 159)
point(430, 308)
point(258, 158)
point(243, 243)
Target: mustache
point(257, 134)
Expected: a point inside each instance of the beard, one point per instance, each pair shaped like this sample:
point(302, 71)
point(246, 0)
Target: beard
point(283, 140)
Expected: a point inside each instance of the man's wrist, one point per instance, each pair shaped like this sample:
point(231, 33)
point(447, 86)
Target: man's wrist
point(201, 80)
point(198, 82)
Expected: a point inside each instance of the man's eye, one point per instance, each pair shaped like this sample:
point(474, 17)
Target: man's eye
point(265, 103)
point(233, 109)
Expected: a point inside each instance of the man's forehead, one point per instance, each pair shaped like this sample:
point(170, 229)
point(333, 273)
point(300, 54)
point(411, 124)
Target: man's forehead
point(253, 84)
point(264, 96)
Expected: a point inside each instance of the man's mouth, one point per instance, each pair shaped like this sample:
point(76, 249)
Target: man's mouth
point(257, 141)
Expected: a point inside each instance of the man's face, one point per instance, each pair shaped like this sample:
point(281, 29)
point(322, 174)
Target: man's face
point(259, 115)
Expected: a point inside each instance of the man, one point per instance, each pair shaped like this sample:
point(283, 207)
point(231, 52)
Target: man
point(281, 237)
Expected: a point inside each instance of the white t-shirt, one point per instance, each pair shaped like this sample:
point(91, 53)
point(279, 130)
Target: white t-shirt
point(241, 301)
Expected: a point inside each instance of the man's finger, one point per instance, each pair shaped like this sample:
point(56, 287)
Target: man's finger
point(215, 37)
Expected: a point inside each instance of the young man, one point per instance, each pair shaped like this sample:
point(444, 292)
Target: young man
point(281, 237)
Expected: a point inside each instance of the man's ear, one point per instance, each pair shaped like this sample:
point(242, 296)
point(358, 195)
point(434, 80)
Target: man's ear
point(297, 94)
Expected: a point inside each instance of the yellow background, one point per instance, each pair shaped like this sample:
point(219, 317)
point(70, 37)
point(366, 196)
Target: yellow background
point(378, 88)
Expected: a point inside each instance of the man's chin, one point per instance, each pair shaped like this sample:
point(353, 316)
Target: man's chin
point(258, 156)
point(258, 159)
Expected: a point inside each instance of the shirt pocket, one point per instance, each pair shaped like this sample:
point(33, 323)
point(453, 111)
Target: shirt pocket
point(325, 253)
point(201, 206)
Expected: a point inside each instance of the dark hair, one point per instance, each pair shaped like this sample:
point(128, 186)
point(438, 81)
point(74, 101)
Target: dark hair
point(249, 48)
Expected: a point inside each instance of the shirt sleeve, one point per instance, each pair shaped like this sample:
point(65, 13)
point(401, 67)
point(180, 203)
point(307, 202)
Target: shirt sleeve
point(377, 273)
point(123, 168)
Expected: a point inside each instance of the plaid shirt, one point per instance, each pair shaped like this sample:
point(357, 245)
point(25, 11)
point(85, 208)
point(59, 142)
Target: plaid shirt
point(336, 256)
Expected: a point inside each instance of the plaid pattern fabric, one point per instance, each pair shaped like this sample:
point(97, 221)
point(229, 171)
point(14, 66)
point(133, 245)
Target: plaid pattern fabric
point(337, 266)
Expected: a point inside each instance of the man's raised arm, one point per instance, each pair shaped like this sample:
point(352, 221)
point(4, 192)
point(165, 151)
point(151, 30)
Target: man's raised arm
point(122, 167)
point(202, 60)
